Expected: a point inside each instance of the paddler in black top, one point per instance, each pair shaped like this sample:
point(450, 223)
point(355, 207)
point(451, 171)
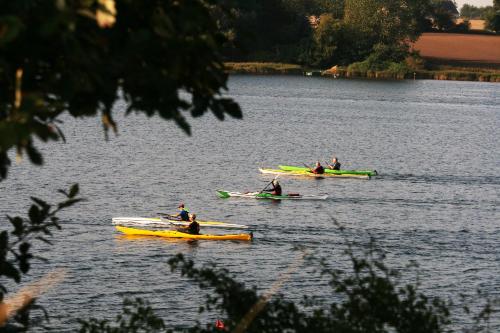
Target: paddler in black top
point(193, 228)
point(318, 169)
point(335, 164)
point(276, 188)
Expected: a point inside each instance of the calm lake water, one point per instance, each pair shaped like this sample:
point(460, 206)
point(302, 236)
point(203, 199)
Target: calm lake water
point(435, 145)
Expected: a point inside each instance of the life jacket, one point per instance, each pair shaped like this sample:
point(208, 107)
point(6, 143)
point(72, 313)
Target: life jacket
point(194, 228)
point(336, 166)
point(184, 215)
point(277, 190)
point(319, 170)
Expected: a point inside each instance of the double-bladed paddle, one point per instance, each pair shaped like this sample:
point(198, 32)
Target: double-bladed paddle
point(168, 216)
point(269, 183)
point(307, 166)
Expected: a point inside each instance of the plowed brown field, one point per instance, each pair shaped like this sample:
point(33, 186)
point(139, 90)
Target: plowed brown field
point(461, 47)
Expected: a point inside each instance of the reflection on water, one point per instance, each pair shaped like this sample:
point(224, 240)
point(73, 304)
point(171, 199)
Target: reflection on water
point(144, 238)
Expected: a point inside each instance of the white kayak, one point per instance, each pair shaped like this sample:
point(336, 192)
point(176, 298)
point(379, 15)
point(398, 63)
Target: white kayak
point(164, 222)
point(264, 195)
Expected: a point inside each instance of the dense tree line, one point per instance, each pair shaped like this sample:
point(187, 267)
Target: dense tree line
point(336, 32)
point(474, 13)
point(493, 17)
point(491, 14)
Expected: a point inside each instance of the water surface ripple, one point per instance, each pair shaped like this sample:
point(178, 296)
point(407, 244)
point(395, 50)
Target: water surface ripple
point(435, 145)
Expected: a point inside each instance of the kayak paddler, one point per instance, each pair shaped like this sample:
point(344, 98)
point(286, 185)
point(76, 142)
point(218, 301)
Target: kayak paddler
point(276, 190)
point(335, 164)
point(318, 169)
point(193, 228)
point(183, 213)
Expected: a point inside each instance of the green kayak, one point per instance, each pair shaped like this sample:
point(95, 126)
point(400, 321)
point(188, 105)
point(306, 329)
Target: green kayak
point(335, 172)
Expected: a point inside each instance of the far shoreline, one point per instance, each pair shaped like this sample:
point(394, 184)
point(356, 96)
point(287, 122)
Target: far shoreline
point(444, 72)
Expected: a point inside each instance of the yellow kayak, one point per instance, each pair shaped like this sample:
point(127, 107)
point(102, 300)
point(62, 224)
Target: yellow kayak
point(178, 234)
point(307, 173)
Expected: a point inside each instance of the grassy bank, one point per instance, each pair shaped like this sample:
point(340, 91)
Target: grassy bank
point(449, 73)
point(442, 72)
point(458, 75)
point(263, 68)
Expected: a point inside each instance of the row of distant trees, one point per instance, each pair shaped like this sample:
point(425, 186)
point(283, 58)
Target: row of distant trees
point(493, 17)
point(491, 14)
point(323, 32)
point(472, 12)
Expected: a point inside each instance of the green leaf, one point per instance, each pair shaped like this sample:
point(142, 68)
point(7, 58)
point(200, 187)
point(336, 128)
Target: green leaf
point(68, 203)
point(34, 155)
point(35, 215)
point(4, 239)
point(63, 192)
point(10, 271)
point(18, 224)
point(40, 202)
point(73, 191)
point(10, 27)
point(231, 107)
point(4, 164)
point(24, 248)
point(182, 123)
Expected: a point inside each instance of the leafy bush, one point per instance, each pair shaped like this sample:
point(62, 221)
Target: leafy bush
point(16, 253)
point(262, 68)
point(398, 69)
point(462, 27)
point(415, 62)
point(366, 298)
point(137, 316)
point(493, 21)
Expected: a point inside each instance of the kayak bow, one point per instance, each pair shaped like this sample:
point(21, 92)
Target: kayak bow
point(178, 234)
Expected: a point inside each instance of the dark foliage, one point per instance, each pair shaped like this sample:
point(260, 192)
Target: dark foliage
point(474, 13)
point(317, 32)
point(493, 17)
point(137, 316)
point(16, 252)
point(81, 56)
point(369, 298)
point(264, 30)
point(444, 13)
